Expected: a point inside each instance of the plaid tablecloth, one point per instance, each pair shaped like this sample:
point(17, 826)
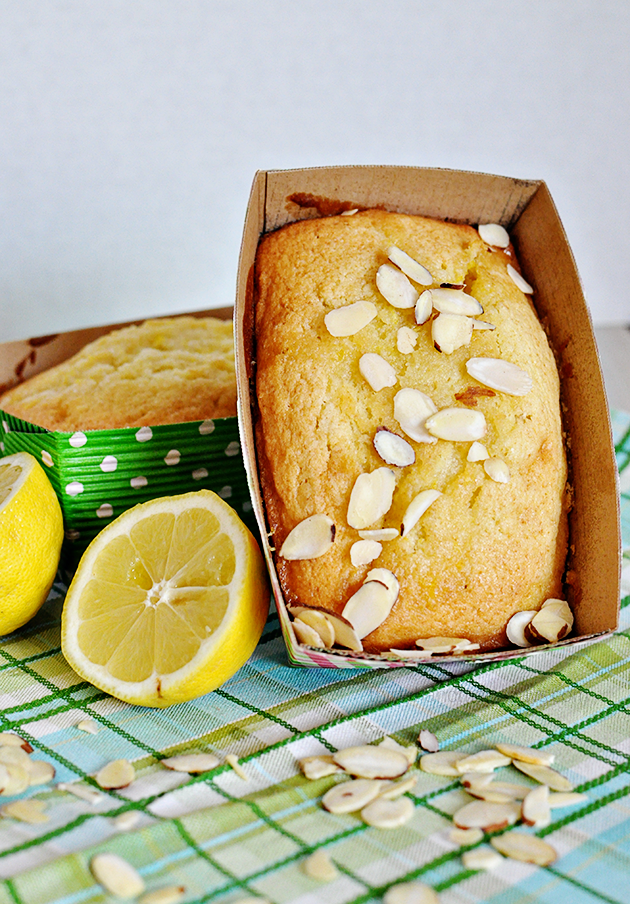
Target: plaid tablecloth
point(224, 838)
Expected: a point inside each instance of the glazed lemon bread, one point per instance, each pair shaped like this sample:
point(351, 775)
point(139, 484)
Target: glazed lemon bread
point(408, 430)
point(161, 372)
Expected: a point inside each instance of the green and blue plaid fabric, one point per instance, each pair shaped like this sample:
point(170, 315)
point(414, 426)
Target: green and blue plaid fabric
point(224, 838)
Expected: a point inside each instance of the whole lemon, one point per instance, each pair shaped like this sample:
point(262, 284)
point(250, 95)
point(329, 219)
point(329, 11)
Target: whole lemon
point(31, 534)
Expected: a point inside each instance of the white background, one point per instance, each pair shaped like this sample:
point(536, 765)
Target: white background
point(130, 131)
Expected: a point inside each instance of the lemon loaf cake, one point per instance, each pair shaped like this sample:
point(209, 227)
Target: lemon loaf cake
point(161, 372)
point(408, 432)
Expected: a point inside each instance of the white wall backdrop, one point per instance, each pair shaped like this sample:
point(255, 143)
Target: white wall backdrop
point(130, 131)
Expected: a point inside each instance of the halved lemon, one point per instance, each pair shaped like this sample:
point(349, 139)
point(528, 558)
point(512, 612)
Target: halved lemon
point(31, 534)
point(168, 601)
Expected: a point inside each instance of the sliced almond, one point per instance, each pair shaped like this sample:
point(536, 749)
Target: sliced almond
point(477, 452)
point(83, 792)
point(428, 741)
point(457, 424)
point(381, 535)
point(411, 409)
point(443, 644)
point(351, 318)
point(561, 608)
point(309, 539)
point(483, 325)
point(409, 265)
point(526, 848)
point(416, 509)
point(9, 739)
point(509, 789)
point(406, 340)
point(192, 763)
point(168, 894)
point(397, 789)
point(367, 761)
point(487, 816)
point(518, 280)
point(497, 470)
point(117, 774)
point(315, 767)
point(544, 775)
point(348, 797)
point(411, 893)
point(526, 754)
point(126, 821)
point(232, 760)
point(472, 780)
point(424, 307)
point(40, 772)
point(488, 793)
point(450, 332)
point(515, 628)
point(441, 763)
point(369, 606)
point(500, 375)
point(5, 778)
point(547, 627)
point(320, 622)
point(371, 497)
point(378, 372)
point(16, 779)
point(30, 811)
point(307, 635)
point(395, 287)
point(465, 837)
point(345, 635)
point(535, 809)
point(483, 761)
point(493, 234)
point(383, 813)
point(88, 725)
point(319, 866)
point(117, 876)
point(410, 751)
point(481, 858)
point(393, 449)
point(15, 756)
point(558, 799)
point(455, 301)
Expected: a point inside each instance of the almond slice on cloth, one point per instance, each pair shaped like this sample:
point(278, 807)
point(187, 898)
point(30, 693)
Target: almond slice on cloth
point(441, 763)
point(307, 635)
point(393, 449)
point(315, 767)
point(378, 372)
point(232, 760)
point(320, 622)
point(10, 739)
point(428, 741)
point(483, 761)
point(370, 762)
point(411, 893)
point(397, 789)
point(126, 821)
point(544, 775)
point(117, 876)
point(319, 866)
point(193, 763)
point(395, 287)
point(488, 794)
point(465, 837)
point(508, 789)
point(383, 813)
point(410, 751)
point(493, 234)
point(526, 754)
point(535, 809)
point(15, 779)
point(411, 409)
point(309, 539)
point(89, 726)
point(515, 628)
point(371, 497)
point(481, 858)
point(350, 796)
point(558, 799)
point(472, 780)
point(40, 772)
point(490, 817)
point(83, 792)
point(30, 811)
point(416, 509)
point(450, 332)
point(409, 266)
point(457, 424)
point(14, 755)
point(168, 894)
point(519, 280)
point(350, 319)
point(455, 301)
point(500, 375)
point(115, 775)
point(526, 848)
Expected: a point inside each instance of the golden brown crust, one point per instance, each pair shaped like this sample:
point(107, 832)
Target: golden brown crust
point(483, 550)
point(164, 371)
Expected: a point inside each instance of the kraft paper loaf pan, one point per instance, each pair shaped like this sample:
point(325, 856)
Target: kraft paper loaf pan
point(525, 208)
point(99, 474)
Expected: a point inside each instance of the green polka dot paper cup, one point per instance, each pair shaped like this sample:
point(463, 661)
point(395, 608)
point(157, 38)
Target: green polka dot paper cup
point(99, 474)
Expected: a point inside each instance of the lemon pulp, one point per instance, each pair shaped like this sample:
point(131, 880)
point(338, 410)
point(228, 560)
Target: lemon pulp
point(168, 601)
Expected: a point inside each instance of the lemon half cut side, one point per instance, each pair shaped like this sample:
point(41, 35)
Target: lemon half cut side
point(168, 601)
point(31, 534)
